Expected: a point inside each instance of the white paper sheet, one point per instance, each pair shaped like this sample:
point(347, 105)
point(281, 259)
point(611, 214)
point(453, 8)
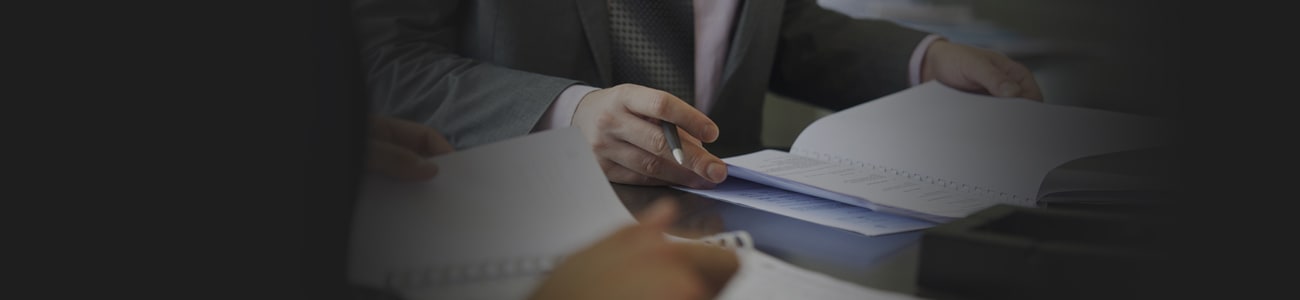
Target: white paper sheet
point(504, 207)
point(875, 190)
point(762, 276)
point(1003, 145)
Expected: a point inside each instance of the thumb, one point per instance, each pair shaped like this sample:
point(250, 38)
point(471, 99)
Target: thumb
point(715, 264)
point(398, 162)
point(660, 215)
point(993, 79)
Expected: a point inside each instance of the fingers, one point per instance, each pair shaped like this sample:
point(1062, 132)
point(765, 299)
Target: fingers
point(715, 264)
point(688, 139)
point(434, 143)
point(664, 106)
point(688, 285)
point(398, 148)
point(618, 173)
point(1020, 76)
point(651, 138)
point(701, 270)
point(659, 216)
point(650, 165)
point(399, 162)
point(422, 139)
point(701, 161)
point(975, 69)
point(993, 79)
point(623, 126)
point(1030, 90)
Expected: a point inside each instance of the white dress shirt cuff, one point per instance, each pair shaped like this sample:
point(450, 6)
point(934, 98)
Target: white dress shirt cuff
point(561, 112)
point(918, 57)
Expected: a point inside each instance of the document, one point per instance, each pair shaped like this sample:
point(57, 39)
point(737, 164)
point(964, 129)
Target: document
point(854, 185)
point(493, 221)
point(936, 153)
point(809, 208)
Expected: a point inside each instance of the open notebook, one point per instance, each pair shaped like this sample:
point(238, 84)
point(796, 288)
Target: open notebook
point(934, 153)
point(499, 217)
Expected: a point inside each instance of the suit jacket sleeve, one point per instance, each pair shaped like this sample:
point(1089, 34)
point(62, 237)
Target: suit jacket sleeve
point(834, 61)
point(416, 72)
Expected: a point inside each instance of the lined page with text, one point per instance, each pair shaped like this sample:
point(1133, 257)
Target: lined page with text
point(854, 185)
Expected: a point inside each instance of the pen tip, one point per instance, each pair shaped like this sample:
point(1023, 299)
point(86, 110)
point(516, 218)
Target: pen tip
point(677, 153)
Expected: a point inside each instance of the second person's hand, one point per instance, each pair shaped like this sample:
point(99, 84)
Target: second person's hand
point(622, 125)
point(400, 148)
point(636, 262)
point(979, 70)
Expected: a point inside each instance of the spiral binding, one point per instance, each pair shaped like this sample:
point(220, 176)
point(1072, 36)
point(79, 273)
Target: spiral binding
point(738, 239)
point(442, 275)
point(958, 186)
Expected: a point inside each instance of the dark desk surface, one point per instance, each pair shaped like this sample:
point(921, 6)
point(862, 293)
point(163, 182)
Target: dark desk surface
point(884, 262)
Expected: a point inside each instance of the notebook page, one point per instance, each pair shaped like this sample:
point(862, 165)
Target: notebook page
point(762, 276)
point(493, 211)
point(875, 190)
point(1001, 145)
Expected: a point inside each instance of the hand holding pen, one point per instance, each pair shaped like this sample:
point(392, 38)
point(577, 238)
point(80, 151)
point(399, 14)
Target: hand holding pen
point(620, 123)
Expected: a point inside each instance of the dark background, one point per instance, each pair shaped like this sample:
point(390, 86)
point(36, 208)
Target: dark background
point(203, 150)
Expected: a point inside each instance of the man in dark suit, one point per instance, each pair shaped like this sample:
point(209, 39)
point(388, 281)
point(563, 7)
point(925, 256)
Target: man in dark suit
point(481, 71)
point(345, 141)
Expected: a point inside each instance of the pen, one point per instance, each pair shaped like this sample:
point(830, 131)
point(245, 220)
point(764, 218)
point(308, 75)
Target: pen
point(674, 142)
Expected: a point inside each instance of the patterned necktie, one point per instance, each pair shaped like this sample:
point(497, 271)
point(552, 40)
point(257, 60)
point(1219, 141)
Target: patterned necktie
point(653, 44)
